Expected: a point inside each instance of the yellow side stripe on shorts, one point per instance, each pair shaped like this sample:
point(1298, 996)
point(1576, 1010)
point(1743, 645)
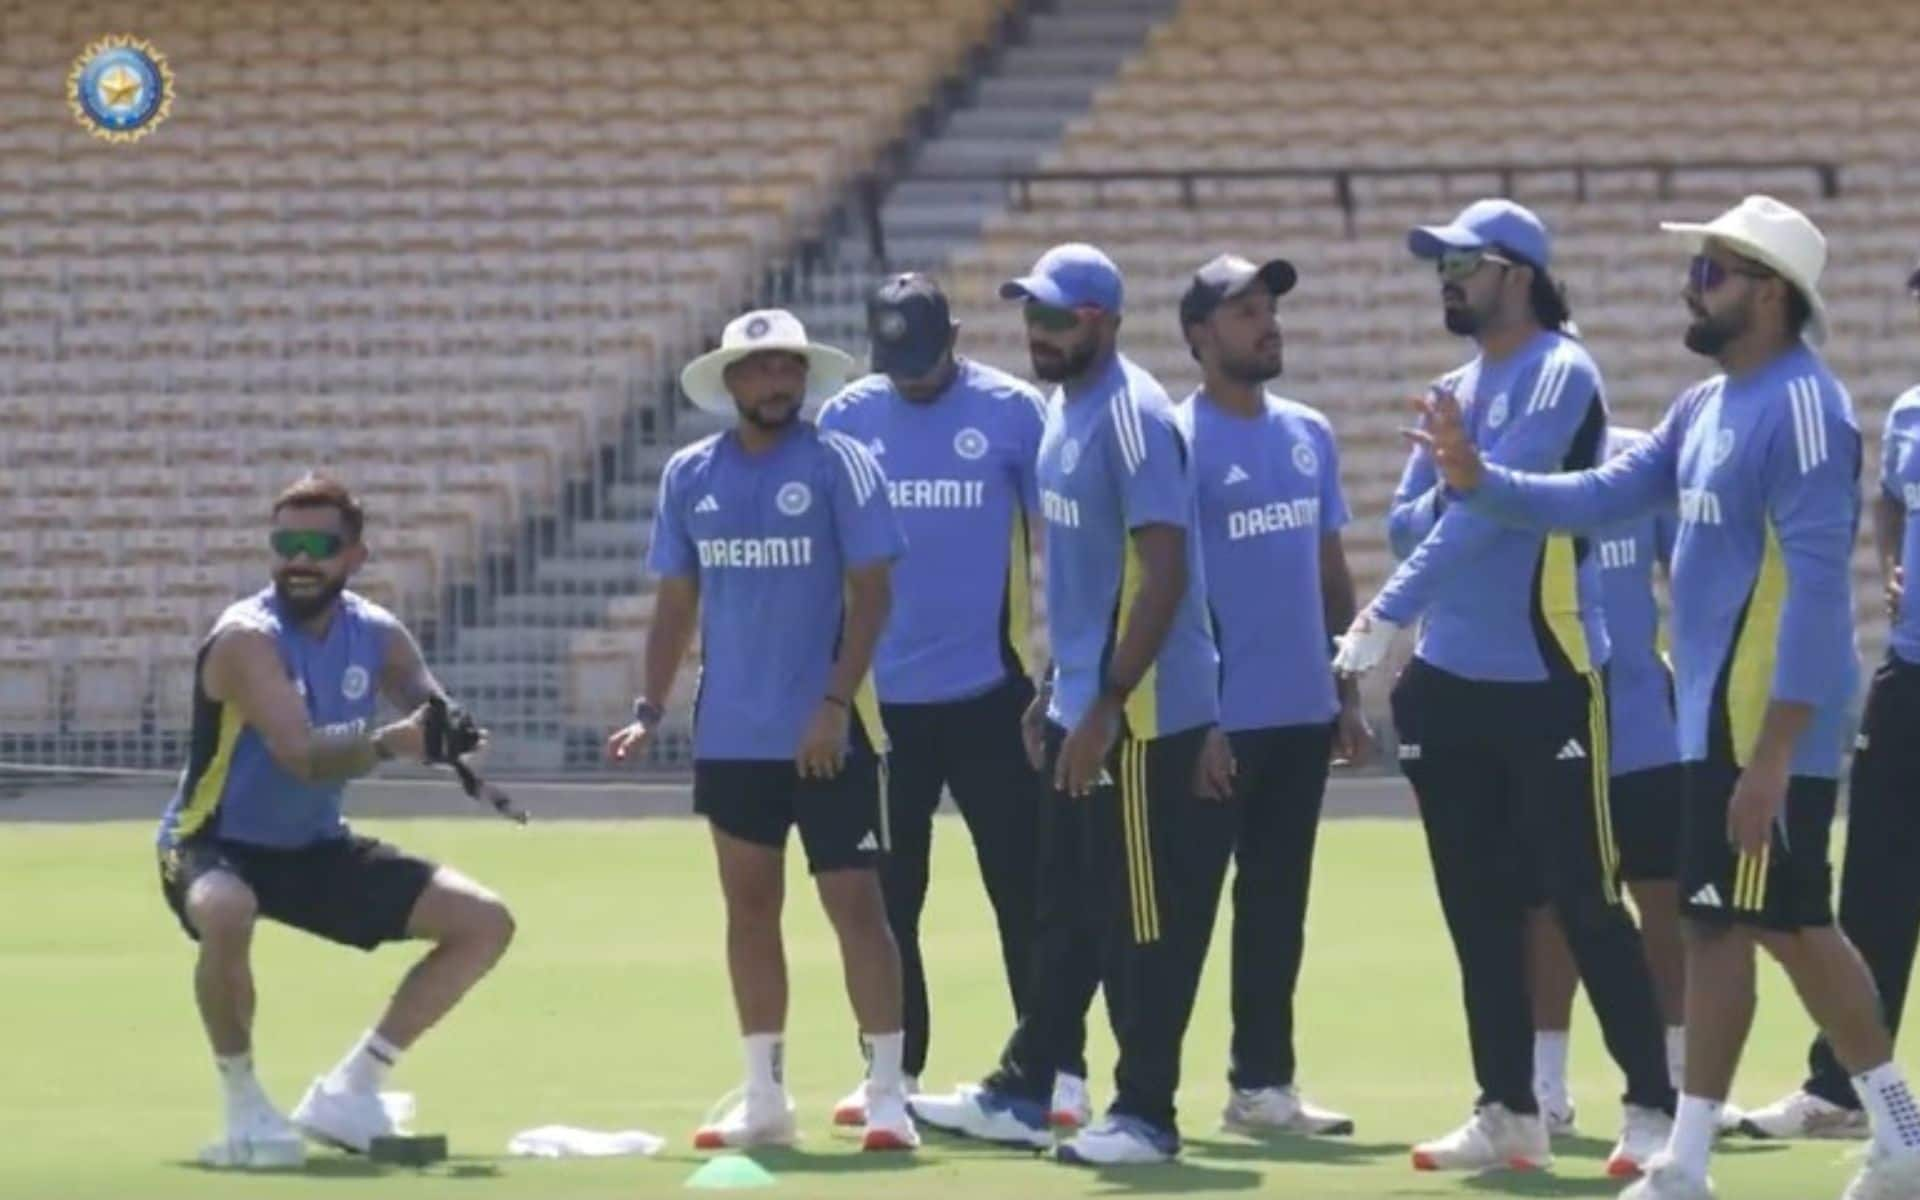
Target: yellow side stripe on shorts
point(1601, 760)
point(886, 820)
point(1151, 890)
point(1130, 838)
point(1133, 819)
point(1750, 881)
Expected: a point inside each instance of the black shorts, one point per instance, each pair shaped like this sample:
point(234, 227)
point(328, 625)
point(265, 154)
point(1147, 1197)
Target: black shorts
point(1647, 809)
point(358, 891)
point(842, 820)
point(1788, 888)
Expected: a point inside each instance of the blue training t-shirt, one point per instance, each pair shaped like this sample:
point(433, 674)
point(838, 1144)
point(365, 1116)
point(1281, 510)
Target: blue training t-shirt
point(231, 787)
point(960, 474)
point(1900, 483)
point(1112, 460)
point(770, 538)
point(1639, 686)
point(1497, 603)
point(1269, 490)
point(1765, 469)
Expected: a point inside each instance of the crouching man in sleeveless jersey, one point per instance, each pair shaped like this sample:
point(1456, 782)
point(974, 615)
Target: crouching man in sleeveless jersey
point(285, 695)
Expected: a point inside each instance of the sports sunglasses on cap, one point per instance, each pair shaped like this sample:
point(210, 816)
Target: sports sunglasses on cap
point(1454, 266)
point(316, 544)
point(1055, 320)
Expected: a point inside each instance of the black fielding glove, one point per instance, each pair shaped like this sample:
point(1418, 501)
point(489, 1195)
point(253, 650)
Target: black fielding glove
point(451, 731)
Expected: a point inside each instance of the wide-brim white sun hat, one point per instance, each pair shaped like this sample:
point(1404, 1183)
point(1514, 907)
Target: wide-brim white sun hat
point(703, 379)
point(1777, 235)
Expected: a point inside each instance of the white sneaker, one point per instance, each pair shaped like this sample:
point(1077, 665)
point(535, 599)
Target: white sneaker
point(1072, 1105)
point(348, 1119)
point(753, 1120)
point(1559, 1114)
point(1886, 1177)
point(256, 1136)
point(1257, 1112)
point(852, 1108)
point(1804, 1115)
point(1666, 1180)
point(1732, 1120)
point(1494, 1137)
point(976, 1112)
point(1119, 1141)
point(1644, 1134)
point(889, 1127)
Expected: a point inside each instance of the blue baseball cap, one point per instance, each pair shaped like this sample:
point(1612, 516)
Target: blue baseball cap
point(1483, 225)
point(1069, 276)
point(910, 326)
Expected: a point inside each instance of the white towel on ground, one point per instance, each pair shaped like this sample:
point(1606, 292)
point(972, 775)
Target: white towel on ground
point(564, 1141)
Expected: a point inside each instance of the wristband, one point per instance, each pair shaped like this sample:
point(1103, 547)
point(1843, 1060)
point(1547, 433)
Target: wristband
point(646, 712)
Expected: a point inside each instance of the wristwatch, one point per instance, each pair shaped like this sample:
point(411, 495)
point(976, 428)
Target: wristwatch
point(646, 712)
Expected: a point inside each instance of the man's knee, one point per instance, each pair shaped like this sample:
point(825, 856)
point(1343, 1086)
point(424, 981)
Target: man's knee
point(221, 907)
point(456, 911)
point(852, 899)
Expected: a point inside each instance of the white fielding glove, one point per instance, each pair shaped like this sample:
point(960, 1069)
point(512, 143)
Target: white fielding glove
point(1363, 645)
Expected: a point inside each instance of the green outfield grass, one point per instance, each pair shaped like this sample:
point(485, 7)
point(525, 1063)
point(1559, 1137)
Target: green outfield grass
point(612, 1011)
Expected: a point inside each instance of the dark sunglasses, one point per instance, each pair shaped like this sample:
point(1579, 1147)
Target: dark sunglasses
point(1052, 319)
point(1705, 274)
point(316, 544)
point(1455, 266)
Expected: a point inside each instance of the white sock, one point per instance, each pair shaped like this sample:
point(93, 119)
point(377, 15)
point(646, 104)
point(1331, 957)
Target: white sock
point(884, 1051)
point(1889, 1103)
point(237, 1083)
point(1695, 1126)
point(1550, 1065)
point(766, 1063)
point(1677, 1055)
point(366, 1066)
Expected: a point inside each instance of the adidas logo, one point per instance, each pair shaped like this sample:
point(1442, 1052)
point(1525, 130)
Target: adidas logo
point(1235, 475)
point(868, 842)
point(1409, 752)
point(1571, 750)
point(707, 504)
point(1707, 897)
point(1860, 743)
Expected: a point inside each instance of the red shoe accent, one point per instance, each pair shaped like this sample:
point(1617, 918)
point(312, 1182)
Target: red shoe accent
point(1622, 1167)
point(850, 1114)
point(1064, 1119)
point(884, 1139)
point(1522, 1164)
point(709, 1139)
point(1423, 1161)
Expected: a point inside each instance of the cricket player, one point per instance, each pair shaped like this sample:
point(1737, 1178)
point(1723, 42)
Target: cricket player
point(286, 692)
point(1141, 812)
point(1763, 461)
point(959, 441)
point(1879, 887)
point(1502, 715)
point(1271, 511)
point(1645, 795)
point(778, 539)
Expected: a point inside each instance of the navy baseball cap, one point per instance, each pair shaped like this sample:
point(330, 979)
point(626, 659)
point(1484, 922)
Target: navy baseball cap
point(1228, 276)
point(1070, 276)
point(910, 326)
point(1483, 225)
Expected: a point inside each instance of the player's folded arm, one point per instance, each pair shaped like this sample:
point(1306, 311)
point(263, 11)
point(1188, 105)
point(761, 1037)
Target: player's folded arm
point(243, 668)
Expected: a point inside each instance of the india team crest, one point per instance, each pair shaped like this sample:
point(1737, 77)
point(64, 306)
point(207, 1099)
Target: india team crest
point(120, 88)
point(970, 443)
point(353, 684)
point(1722, 446)
point(794, 498)
point(891, 326)
point(1497, 412)
point(1069, 456)
point(1305, 460)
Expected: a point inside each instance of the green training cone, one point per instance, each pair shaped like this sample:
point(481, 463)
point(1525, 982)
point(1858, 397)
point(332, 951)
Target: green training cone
point(731, 1171)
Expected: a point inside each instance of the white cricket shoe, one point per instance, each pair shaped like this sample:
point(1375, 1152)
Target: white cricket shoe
point(350, 1119)
point(756, 1119)
point(888, 1125)
point(1259, 1112)
point(1644, 1134)
point(1805, 1115)
point(256, 1136)
point(1886, 1177)
point(986, 1115)
point(1494, 1137)
point(852, 1108)
point(1119, 1141)
point(1665, 1179)
point(1559, 1114)
point(1732, 1118)
point(1072, 1104)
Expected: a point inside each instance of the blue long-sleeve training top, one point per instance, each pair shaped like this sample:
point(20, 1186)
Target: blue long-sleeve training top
point(1496, 602)
point(1766, 472)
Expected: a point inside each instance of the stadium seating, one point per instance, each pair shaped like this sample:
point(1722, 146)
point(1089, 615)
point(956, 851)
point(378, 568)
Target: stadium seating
point(439, 249)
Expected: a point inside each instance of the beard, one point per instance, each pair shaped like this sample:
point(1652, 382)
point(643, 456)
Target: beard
point(1709, 335)
point(306, 606)
point(1255, 368)
point(773, 415)
point(1059, 366)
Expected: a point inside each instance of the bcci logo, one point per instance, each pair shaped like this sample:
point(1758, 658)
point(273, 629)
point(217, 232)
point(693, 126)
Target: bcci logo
point(120, 88)
point(1305, 460)
point(757, 328)
point(891, 326)
point(1497, 413)
point(353, 684)
point(794, 498)
point(1069, 456)
point(970, 444)
point(1722, 446)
